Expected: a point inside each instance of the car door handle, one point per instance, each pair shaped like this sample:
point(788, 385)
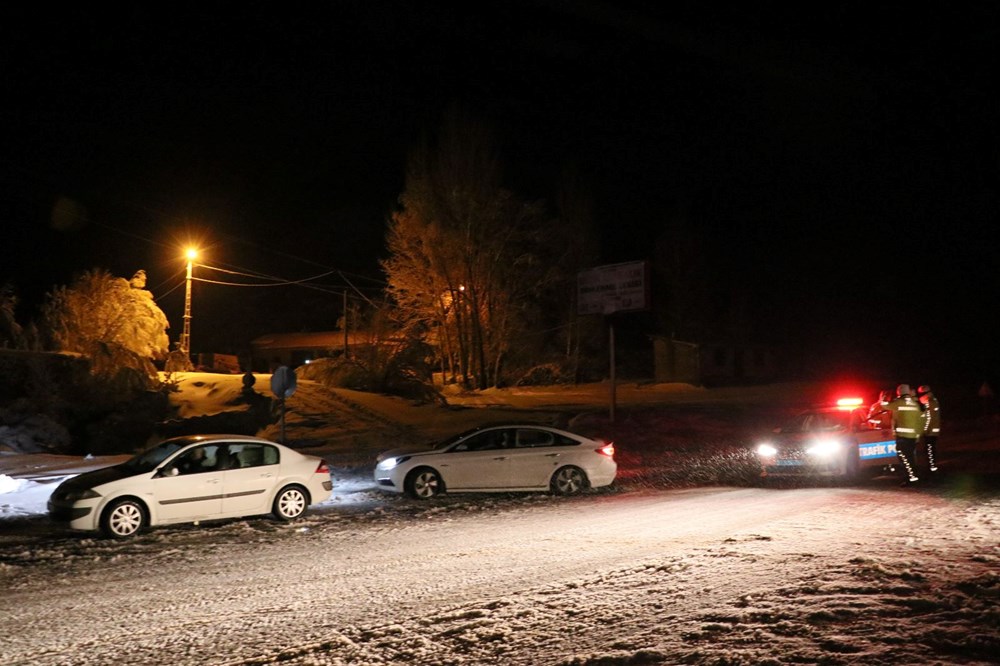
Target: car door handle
point(213, 480)
point(500, 458)
point(551, 455)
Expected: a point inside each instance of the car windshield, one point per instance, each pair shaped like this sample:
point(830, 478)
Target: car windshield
point(440, 446)
point(150, 459)
point(816, 422)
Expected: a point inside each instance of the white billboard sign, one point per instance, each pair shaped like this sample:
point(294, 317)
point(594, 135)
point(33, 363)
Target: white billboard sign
point(613, 288)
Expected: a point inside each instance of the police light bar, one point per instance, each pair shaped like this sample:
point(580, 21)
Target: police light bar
point(849, 403)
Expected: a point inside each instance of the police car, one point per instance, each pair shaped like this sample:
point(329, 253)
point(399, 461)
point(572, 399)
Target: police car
point(836, 440)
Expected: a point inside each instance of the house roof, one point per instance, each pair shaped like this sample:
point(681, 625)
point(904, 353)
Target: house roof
point(311, 340)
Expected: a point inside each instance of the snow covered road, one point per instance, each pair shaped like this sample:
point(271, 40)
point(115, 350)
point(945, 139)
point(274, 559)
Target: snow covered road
point(872, 575)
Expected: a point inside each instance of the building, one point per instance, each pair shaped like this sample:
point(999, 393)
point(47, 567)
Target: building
point(293, 349)
point(713, 363)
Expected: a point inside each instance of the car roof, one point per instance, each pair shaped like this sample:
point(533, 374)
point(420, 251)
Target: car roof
point(185, 440)
point(494, 426)
point(831, 409)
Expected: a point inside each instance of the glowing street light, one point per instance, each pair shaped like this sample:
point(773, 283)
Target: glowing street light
point(185, 344)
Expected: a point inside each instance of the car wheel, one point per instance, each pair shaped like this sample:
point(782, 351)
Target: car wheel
point(569, 481)
point(123, 519)
point(290, 503)
point(424, 483)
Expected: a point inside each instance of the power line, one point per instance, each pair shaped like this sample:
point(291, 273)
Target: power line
point(277, 283)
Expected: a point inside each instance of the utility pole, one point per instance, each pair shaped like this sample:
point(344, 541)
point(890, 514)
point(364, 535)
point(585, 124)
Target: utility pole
point(185, 344)
point(346, 342)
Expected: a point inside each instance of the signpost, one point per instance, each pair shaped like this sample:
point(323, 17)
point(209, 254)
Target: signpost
point(613, 288)
point(283, 385)
point(609, 289)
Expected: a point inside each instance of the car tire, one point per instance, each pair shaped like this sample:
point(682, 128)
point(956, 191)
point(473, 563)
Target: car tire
point(290, 503)
point(424, 483)
point(569, 481)
point(123, 518)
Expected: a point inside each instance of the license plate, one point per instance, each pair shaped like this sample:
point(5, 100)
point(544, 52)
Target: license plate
point(789, 463)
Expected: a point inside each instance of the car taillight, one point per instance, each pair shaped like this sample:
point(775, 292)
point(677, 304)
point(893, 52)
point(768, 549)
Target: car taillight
point(607, 450)
point(323, 468)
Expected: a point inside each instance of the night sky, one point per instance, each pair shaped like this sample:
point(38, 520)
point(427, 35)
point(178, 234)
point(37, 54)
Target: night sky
point(840, 160)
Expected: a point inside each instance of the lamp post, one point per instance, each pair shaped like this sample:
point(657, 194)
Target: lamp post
point(186, 334)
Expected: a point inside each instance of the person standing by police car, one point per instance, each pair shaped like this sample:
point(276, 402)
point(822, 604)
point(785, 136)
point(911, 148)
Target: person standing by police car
point(907, 426)
point(878, 417)
point(932, 424)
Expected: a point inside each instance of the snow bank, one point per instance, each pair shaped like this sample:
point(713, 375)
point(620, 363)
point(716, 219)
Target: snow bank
point(25, 497)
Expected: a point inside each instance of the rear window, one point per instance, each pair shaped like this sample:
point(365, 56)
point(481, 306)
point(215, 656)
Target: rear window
point(529, 438)
point(253, 455)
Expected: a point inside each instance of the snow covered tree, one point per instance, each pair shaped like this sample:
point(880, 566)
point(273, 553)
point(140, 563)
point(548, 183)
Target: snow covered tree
point(112, 321)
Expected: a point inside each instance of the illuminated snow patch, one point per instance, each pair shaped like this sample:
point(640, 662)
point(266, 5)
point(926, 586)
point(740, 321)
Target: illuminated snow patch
point(24, 497)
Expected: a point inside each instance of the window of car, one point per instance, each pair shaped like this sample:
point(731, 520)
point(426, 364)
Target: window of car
point(529, 437)
point(534, 438)
point(252, 455)
point(859, 421)
point(199, 459)
point(149, 460)
point(486, 441)
point(828, 422)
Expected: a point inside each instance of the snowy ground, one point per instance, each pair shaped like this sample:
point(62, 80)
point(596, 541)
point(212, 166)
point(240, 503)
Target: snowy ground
point(644, 573)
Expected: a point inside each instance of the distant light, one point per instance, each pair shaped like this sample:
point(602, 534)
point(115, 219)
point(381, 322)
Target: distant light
point(191, 253)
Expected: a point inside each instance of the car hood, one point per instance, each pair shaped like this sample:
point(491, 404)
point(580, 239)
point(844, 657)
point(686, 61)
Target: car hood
point(96, 478)
point(405, 451)
point(797, 438)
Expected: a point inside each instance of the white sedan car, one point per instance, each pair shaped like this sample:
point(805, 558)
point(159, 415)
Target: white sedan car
point(189, 479)
point(500, 458)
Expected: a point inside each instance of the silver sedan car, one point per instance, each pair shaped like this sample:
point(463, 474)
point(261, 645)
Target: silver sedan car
point(500, 458)
point(189, 479)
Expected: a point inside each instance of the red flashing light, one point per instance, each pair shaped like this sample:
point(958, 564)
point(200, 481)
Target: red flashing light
point(607, 450)
point(849, 403)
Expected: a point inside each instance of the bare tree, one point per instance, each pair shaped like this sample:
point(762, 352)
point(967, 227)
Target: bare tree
point(464, 252)
point(11, 334)
point(577, 236)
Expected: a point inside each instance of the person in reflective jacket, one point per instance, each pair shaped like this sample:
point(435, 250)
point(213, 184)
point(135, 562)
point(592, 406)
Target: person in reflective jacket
point(932, 424)
point(907, 426)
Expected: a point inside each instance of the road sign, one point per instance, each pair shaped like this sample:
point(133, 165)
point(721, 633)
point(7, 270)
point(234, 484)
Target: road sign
point(613, 288)
point(283, 383)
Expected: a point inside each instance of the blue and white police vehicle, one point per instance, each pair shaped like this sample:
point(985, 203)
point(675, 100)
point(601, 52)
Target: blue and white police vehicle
point(834, 440)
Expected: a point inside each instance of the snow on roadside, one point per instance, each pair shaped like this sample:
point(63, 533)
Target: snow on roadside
point(25, 497)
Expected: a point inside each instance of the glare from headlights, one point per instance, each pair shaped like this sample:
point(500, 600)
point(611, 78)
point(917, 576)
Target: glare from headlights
point(389, 463)
point(823, 448)
point(767, 450)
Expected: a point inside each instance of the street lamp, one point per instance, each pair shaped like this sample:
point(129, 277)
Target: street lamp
point(186, 334)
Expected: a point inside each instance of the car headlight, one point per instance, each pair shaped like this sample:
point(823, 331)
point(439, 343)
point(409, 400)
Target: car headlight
point(824, 448)
point(389, 463)
point(766, 449)
point(77, 495)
